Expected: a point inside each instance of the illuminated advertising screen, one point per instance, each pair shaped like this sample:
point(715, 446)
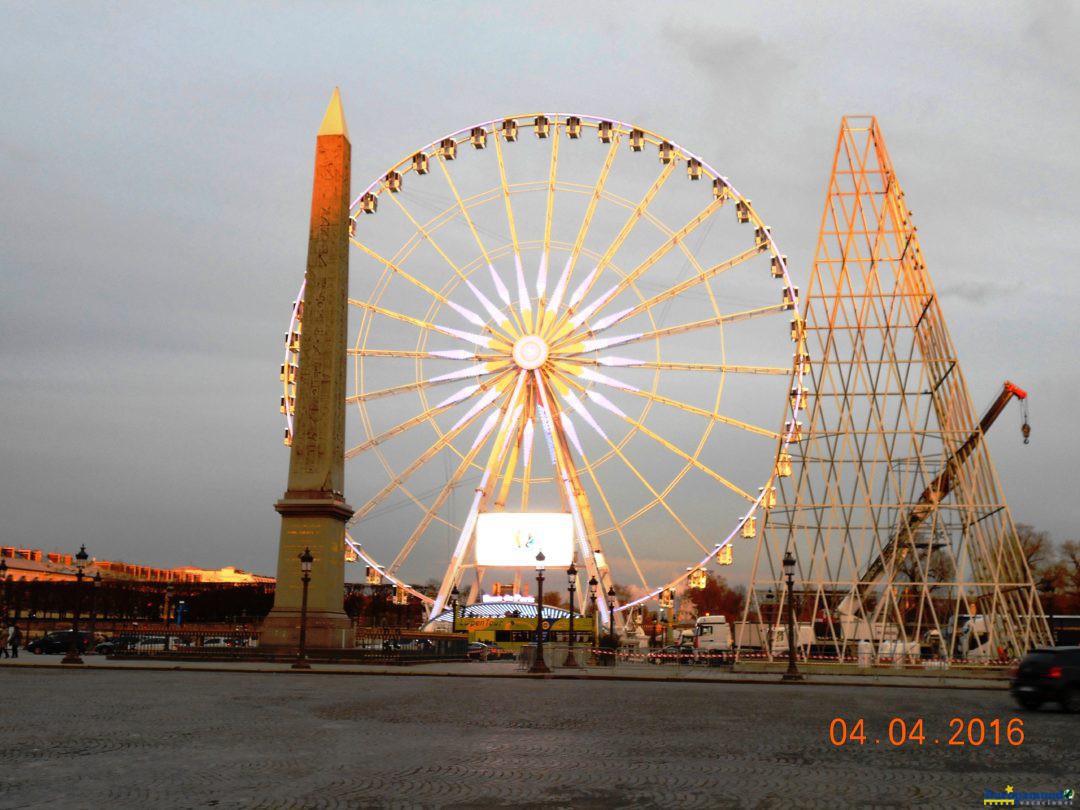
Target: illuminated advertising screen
point(513, 539)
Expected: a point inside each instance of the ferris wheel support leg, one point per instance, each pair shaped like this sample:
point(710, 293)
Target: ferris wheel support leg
point(595, 568)
point(454, 568)
point(466, 538)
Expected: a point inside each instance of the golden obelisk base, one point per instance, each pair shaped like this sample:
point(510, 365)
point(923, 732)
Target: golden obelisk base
point(317, 524)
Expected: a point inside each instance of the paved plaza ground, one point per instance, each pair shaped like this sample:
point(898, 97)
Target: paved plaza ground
point(124, 737)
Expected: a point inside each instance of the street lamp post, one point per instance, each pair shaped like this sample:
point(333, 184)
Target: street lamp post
point(611, 614)
point(454, 594)
point(72, 656)
point(305, 576)
point(3, 588)
point(165, 619)
point(571, 576)
point(1047, 586)
point(596, 618)
point(538, 662)
point(96, 583)
point(792, 673)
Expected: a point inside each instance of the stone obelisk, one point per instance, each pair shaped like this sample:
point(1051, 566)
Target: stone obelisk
point(313, 509)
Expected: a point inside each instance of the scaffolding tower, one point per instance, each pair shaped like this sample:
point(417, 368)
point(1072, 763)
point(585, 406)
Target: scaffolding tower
point(889, 502)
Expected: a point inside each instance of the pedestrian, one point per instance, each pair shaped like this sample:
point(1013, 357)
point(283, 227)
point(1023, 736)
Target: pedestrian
point(14, 638)
point(7, 642)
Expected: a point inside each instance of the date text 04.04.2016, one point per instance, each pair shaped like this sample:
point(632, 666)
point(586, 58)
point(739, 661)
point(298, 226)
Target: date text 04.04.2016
point(973, 732)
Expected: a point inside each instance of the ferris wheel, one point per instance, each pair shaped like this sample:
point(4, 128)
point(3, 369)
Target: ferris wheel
point(562, 313)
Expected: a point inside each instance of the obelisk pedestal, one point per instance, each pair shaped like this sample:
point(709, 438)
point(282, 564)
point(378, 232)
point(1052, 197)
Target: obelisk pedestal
point(313, 509)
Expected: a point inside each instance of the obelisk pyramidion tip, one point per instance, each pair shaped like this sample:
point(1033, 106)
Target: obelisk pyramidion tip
point(334, 121)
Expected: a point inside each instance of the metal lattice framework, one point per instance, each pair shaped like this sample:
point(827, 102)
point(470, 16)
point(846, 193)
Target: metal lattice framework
point(893, 509)
point(618, 326)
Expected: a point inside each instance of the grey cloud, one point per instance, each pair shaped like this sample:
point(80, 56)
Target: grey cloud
point(979, 291)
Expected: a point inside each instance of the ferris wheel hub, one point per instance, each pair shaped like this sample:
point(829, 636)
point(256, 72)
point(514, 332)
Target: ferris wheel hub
point(530, 352)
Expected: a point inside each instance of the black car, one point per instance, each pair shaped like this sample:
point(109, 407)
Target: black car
point(59, 642)
point(1048, 675)
point(682, 653)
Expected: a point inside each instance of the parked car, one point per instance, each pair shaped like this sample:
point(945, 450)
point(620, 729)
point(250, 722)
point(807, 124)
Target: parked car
point(116, 644)
point(1048, 675)
point(477, 650)
point(59, 642)
point(681, 653)
point(216, 641)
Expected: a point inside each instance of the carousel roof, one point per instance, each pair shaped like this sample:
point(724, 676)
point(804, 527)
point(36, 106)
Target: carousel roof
point(504, 610)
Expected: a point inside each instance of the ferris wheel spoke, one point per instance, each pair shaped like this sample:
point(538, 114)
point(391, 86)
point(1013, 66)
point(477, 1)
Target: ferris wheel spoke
point(564, 373)
point(675, 239)
point(450, 354)
point(597, 193)
point(426, 234)
point(478, 370)
point(429, 413)
point(724, 368)
point(490, 341)
point(510, 417)
point(615, 523)
point(617, 242)
point(466, 313)
point(560, 290)
point(541, 276)
point(509, 467)
point(524, 305)
point(571, 261)
point(571, 432)
point(657, 496)
point(528, 432)
point(485, 302)
point(595, 344)
point(446, 439)
point(673, 291)
point(587, 312)
point(608, 405)
point(506, 195)
point(552, 174)
point(712, 415)
point(451, 484)
point(431, 241)
point(500, 287)
point(408, 424)
point(574, 494)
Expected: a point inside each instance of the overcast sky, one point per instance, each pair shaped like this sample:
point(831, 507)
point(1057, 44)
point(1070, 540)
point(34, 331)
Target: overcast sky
point(156, 178)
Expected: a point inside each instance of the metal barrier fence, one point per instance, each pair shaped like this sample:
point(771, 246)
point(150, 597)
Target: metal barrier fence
point(383, 645)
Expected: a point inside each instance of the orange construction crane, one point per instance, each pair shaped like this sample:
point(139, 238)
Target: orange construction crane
point(942, 483)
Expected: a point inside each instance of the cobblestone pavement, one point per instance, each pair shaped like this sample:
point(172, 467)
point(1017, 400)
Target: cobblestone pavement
point(163, 739)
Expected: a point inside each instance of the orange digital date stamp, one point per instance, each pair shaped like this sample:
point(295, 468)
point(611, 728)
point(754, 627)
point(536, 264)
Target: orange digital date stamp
point(973, 732)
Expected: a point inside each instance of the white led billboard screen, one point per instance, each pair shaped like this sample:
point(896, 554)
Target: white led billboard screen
point(513, 539)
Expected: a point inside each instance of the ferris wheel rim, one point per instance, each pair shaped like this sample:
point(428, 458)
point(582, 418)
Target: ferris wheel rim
point(376, 185)
point(786, 436)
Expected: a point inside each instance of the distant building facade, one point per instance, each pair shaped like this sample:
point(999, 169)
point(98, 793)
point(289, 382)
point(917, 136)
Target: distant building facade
point(30, 565)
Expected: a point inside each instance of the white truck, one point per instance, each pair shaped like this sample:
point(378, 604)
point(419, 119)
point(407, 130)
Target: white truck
point(804, 639)
point(712, 638)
